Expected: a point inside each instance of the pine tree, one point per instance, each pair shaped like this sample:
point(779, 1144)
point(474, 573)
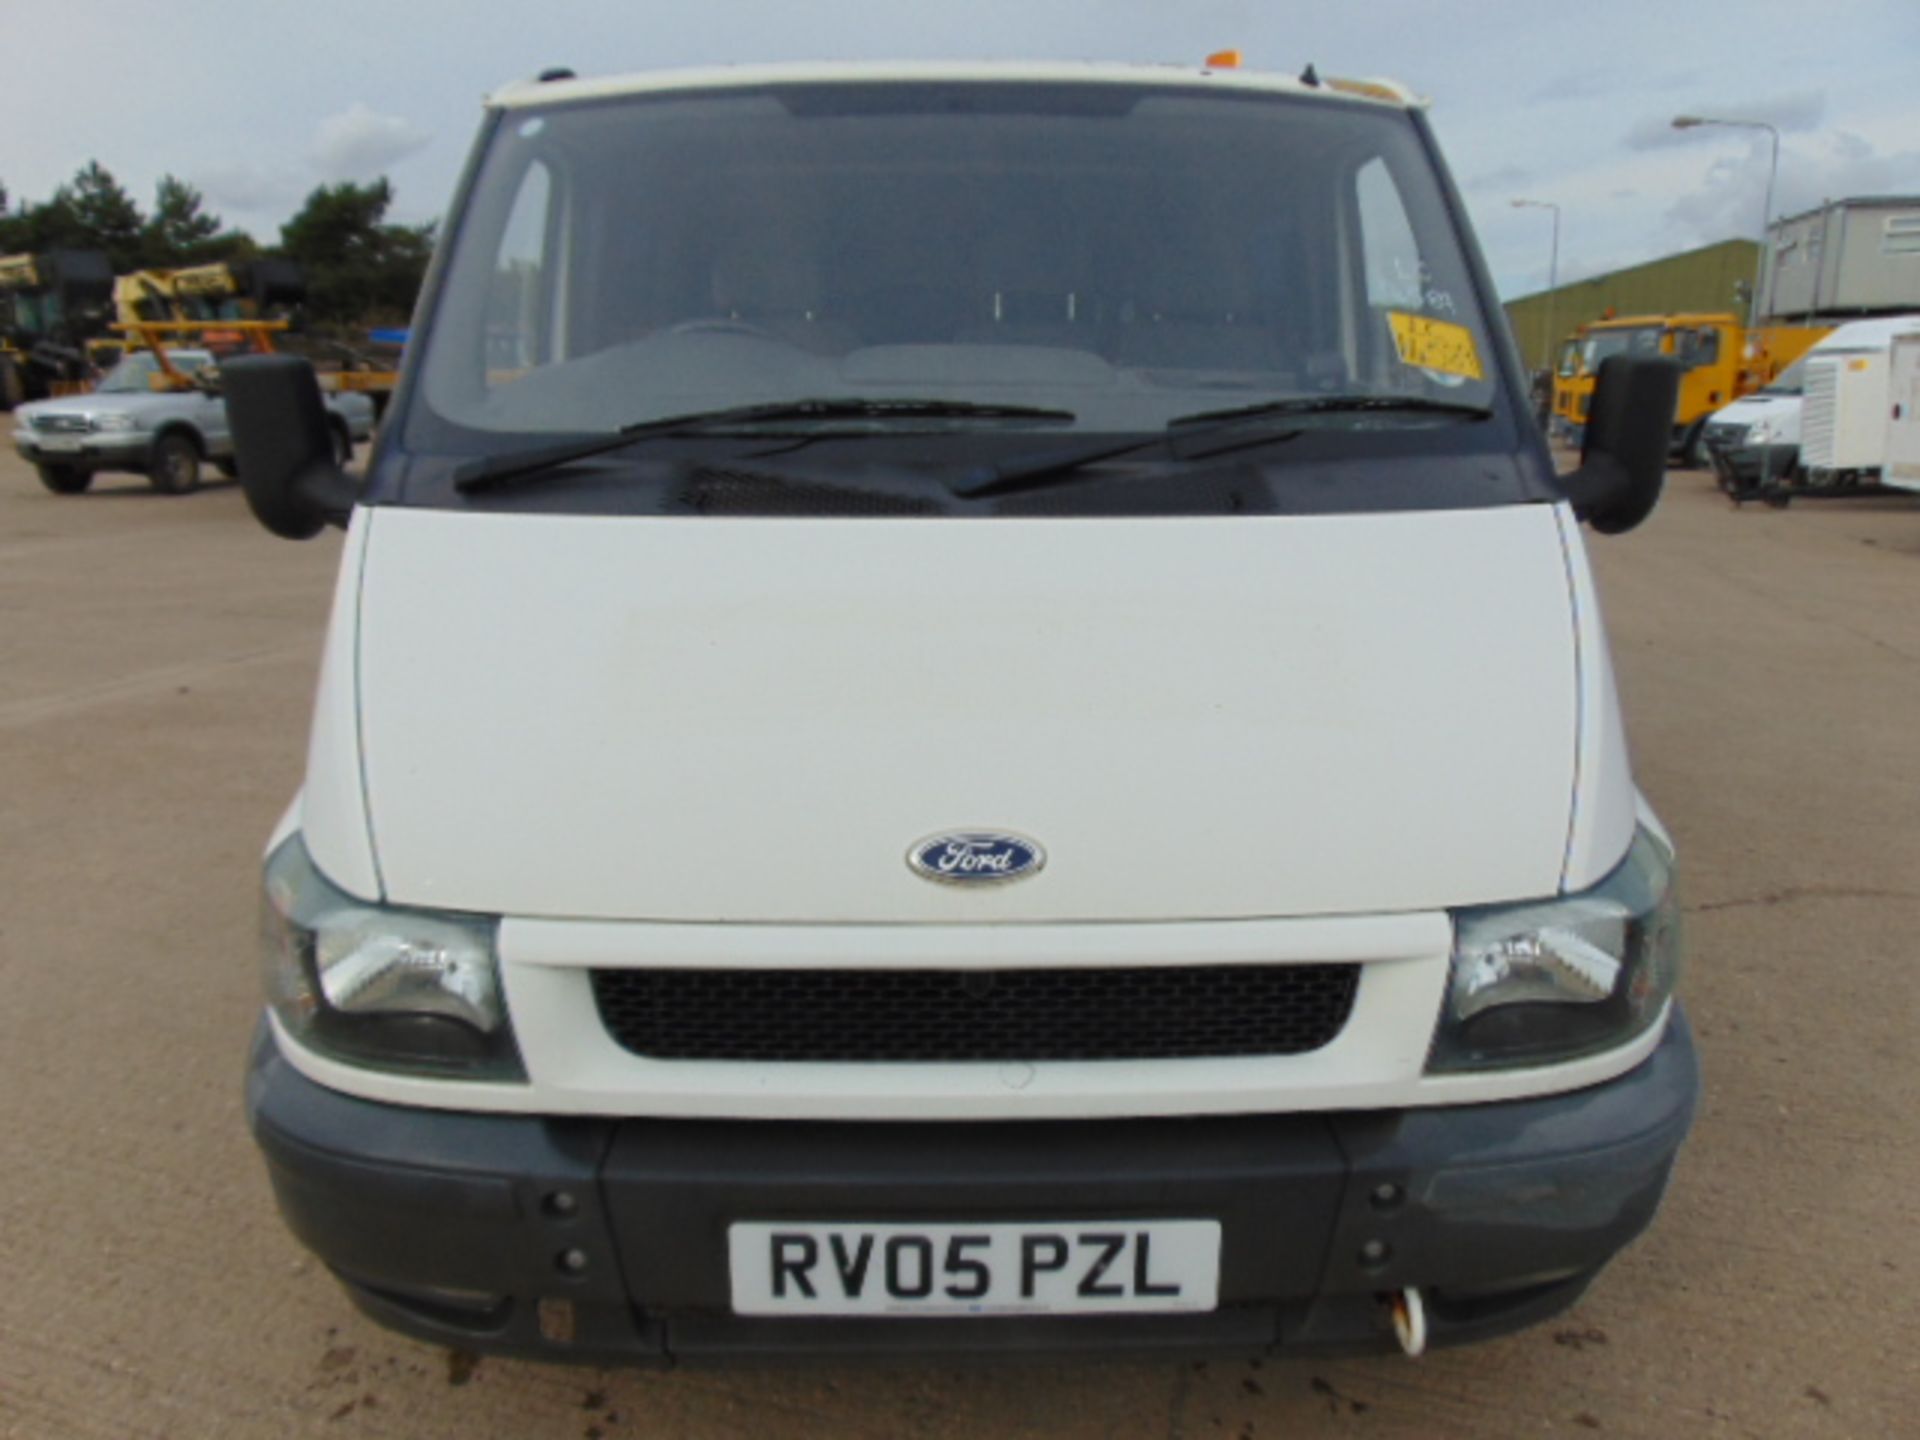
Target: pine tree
point(107, 215)
point(358, 266)
point(179, 231)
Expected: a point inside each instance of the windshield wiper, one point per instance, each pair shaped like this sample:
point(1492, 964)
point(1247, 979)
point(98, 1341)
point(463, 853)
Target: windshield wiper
point(1208, 421)
point(1011, 476)
point(493, 470)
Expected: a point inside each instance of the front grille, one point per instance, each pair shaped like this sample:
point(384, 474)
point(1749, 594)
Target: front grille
point(1117, 1013)
point(1726, 435)
point(61, 424)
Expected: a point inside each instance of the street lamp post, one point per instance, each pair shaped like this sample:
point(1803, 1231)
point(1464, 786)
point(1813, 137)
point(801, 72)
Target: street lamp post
point(1553, 272)
point(1689, 122)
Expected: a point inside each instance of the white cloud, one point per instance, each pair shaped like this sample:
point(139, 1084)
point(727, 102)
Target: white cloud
point(1830, 166)
point(248, 187)
point(360, 143)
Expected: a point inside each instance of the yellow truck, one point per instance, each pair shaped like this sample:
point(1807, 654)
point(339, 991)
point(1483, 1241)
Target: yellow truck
point(1721, 358)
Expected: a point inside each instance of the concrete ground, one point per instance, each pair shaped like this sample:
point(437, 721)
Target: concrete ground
point(156, 665)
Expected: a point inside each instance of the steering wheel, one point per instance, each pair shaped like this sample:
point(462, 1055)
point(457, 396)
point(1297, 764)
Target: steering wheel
point(724, 325)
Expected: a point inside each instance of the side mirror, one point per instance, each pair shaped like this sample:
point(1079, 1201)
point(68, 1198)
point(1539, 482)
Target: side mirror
point(282, 446)
point(1623, 463)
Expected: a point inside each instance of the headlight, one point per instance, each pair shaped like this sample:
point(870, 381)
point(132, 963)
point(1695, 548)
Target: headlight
point(381, 985)
point(1758, 433)
point(115, 421)
point(1553, 980)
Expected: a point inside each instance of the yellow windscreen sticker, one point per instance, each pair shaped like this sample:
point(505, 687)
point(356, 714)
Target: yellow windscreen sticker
point(1435, 345)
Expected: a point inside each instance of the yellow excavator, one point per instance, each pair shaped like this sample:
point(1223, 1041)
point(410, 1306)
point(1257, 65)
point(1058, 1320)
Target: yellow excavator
point(238, 290)
point(144, 296)
point(224, 290)
point(51, 305)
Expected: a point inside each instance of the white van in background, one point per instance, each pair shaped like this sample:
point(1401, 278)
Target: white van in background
point(1834, 395)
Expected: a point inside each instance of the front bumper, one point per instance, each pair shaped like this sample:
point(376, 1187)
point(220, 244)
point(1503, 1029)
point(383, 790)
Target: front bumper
point(115, 450)
point(1753, 467)
point(605, 1241)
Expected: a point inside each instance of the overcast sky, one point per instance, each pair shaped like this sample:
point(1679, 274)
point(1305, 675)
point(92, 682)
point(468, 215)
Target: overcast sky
point(257, 101)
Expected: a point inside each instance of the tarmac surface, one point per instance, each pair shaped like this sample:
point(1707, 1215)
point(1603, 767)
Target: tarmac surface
point(157, 661)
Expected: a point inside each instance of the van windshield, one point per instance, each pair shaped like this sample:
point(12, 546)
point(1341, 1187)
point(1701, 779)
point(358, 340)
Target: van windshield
point(1790, 381)
point(1123, 254)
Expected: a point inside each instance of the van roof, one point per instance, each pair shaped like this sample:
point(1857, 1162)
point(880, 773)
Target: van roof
point(535, 92)
point(1870, 334)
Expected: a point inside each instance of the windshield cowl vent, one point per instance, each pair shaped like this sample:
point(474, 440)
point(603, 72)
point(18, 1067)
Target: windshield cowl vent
point(717, 490)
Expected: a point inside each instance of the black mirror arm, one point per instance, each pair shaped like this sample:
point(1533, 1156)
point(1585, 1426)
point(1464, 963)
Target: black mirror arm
point(331, 491)
point(1591, 486)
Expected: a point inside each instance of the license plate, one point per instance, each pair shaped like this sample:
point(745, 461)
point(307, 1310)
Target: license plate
point(1038, 1268)
point(57, 442)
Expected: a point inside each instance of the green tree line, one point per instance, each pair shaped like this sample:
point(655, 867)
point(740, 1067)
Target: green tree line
point(360, 268)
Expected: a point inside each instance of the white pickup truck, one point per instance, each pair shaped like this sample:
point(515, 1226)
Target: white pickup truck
point(963, 713)
point(125, 423)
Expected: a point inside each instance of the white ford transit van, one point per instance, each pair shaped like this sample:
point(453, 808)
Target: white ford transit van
point(963, 713)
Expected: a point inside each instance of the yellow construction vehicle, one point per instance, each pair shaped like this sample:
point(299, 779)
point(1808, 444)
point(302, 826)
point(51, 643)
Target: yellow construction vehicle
point(51, 305)
point(1722, 359)
point(224, 290)
point(239, 289)
point(265, 289)
point(223, 338)
point(145, 296)
point(65, 317)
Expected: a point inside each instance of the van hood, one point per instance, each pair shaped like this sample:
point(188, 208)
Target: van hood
point(756, 720)
point(1781, 412)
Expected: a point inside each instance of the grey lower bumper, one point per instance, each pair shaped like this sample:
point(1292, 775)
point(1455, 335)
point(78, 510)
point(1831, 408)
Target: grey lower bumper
point(93, 453)
point(1753, 467)
point(604, 1241)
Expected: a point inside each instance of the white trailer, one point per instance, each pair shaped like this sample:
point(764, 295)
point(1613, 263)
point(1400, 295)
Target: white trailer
point(1843, 417)
point(1902, 466)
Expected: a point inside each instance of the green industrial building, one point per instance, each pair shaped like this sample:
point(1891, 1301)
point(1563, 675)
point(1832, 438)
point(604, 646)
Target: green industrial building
point(1713, 278)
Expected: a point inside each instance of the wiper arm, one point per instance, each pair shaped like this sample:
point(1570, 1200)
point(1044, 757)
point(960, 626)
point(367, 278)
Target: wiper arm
point(1029, 472)
point(494, 470)
point(1209, 420)
point(1033, 472)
